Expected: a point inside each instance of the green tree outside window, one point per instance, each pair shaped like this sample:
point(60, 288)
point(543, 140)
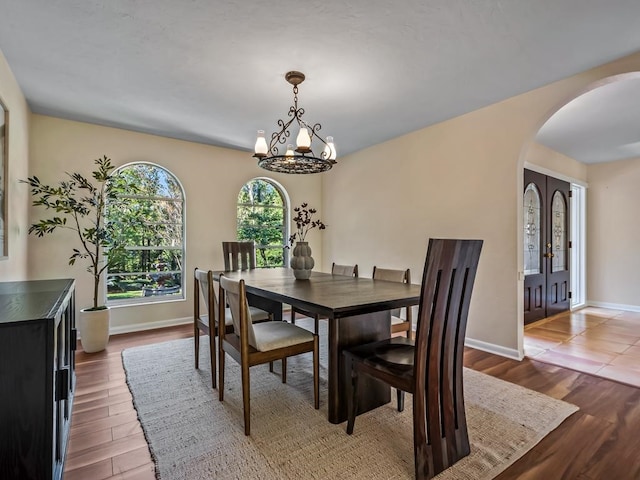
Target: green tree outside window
point(261, 217)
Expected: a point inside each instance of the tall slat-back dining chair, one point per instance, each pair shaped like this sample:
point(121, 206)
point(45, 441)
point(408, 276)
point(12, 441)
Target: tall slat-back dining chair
point(398, 324)
point(205, 289)
point(239, 255)
point(430, 368)
point(252, 344)
point(346, 270)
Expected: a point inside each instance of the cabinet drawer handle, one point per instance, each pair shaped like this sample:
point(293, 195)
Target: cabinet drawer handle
point(62, 383)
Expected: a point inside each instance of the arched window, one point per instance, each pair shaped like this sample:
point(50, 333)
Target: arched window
point(261, 214)
point(150, 223)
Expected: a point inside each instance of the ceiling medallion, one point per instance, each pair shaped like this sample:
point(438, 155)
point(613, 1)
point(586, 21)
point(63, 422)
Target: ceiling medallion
point(301, 159)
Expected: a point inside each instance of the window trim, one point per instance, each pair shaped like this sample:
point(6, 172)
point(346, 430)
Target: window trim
point(129, 302)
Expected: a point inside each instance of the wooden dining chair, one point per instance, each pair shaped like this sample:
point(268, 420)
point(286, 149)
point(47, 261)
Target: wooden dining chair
point(346, 270)
point(252, 344)
point(431, 367)
point(239, 255)
point(398, 324)
point(204, 290)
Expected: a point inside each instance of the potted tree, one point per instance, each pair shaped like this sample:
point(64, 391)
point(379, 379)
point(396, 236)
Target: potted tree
point(79, 205)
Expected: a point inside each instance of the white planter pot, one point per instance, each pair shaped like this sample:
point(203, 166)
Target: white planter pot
point(94, 329)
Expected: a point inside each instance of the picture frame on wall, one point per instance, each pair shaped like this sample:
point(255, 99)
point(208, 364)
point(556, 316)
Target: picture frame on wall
point(4, 161)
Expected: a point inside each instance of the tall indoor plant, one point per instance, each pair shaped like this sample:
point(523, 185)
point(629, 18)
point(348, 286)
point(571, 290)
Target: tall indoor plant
point(79, 205)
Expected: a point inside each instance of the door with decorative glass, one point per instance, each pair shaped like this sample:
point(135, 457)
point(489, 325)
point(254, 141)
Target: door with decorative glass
point(546, 246)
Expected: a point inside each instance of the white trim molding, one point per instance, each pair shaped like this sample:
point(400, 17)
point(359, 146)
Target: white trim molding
point(493, 348)
point(614, 306)
point(138, 327)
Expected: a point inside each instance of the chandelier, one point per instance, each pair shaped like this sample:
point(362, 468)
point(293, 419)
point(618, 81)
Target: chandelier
point(300, 159)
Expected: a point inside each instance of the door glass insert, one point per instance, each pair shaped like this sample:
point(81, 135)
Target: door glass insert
point(531, 217)
point(559, 232)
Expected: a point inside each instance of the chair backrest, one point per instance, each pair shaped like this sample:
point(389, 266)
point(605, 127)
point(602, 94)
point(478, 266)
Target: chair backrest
point(389, 275)
point(399, 276)
point(348, 270)
point(233, 292)
point(239, 255)
point(447, 282)
point(203, 284)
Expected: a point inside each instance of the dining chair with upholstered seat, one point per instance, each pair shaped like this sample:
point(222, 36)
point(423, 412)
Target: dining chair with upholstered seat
point(398, 324)
point(346, 270)
point(252, 344)
point(431, 367)
point(204, 289)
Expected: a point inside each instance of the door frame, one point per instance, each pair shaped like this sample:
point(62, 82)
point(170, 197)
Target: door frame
point(577, 232)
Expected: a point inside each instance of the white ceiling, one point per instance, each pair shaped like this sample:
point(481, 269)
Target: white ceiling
point(212, 71)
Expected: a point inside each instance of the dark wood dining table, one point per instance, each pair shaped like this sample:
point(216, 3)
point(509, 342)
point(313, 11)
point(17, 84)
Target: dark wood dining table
point(357, 309)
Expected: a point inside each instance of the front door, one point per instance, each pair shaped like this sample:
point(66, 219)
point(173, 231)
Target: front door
point(546, 246)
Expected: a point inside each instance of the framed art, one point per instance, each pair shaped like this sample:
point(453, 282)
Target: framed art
point(4, 150)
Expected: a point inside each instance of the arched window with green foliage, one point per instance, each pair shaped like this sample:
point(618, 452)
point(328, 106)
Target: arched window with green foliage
point(262, 212)
point(151, 222)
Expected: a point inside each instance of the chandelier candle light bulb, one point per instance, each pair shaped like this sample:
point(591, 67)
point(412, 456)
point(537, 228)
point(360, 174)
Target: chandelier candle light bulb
point(301, 159)
point(289, 153)
point(330, 149)
point(303, 141)
point(261, 144)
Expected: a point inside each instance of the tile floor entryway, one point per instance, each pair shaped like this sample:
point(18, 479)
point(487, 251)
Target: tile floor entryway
point(593, 340)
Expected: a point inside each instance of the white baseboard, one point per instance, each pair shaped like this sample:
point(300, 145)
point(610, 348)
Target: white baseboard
point(614, 306)
point(138, 327)
point(493, 348)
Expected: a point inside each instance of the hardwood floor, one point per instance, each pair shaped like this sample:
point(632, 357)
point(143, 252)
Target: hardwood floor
point(600, 441)
point(593, 340)
point(106, 440)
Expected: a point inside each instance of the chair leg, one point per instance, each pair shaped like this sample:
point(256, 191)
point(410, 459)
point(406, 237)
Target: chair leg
point(352, 404)
point(270, 367)
point(316, 372)
point(196, 345)
point(400, 395)
point(220, 373)
point(245, 398)
point(284, 370)
point(212, 355)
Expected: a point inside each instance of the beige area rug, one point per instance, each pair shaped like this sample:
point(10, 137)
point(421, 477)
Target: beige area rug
point(194, 436)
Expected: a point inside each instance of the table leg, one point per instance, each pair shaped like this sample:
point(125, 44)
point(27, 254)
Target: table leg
point(345, 333)
point(266, 304)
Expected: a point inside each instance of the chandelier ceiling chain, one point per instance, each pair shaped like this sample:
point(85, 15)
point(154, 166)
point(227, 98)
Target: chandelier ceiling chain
point(301, 159)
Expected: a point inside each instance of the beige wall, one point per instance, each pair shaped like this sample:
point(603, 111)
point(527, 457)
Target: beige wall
point(460, 178)
point(14, 267)
point(613, 233)
point(211, 177)
point(555, 163)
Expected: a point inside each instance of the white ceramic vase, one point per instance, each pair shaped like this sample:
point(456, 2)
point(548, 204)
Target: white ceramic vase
point(302, 262)
point(94, 329)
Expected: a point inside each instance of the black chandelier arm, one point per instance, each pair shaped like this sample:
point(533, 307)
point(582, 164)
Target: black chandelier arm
point(280, 137)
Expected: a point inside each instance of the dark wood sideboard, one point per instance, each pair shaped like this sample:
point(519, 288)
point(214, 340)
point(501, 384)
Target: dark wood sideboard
point(37, 378)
